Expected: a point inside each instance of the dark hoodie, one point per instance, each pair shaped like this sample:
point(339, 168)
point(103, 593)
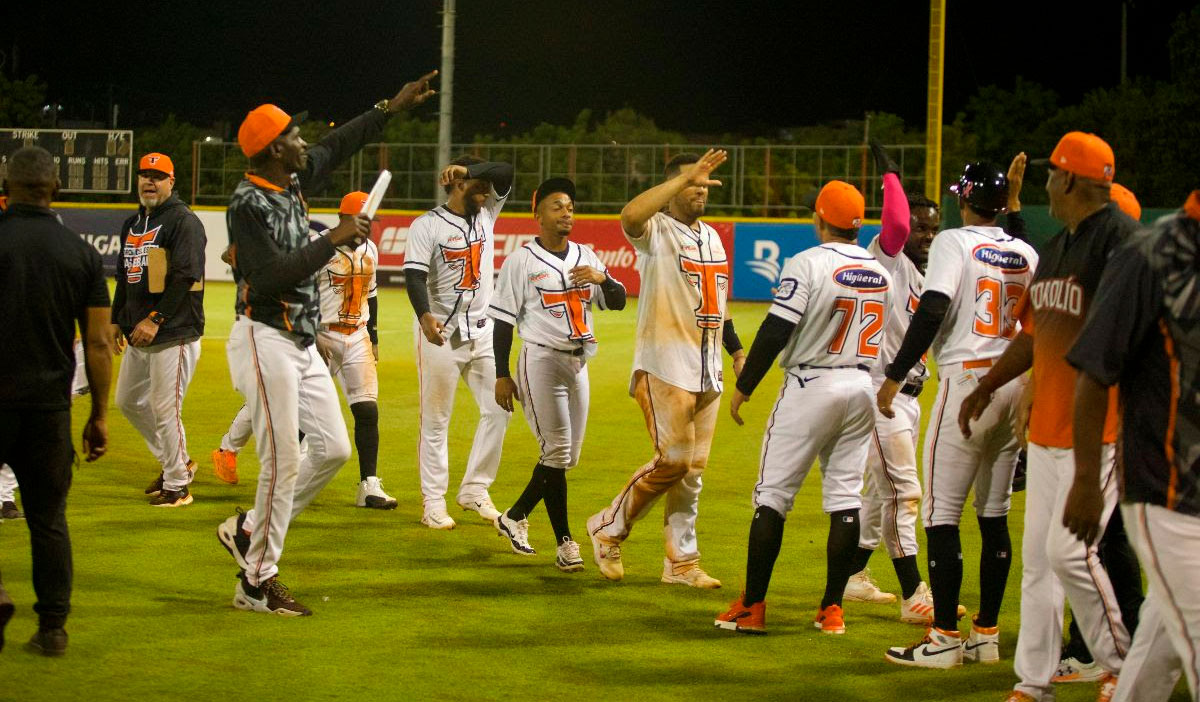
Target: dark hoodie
point(174, 227)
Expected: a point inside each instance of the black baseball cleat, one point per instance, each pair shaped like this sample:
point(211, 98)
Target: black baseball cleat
point(48, 642)
point(155, 487)
point(271, 597)
point(234, 538)
point(8, 510)
point(172, 498)
point(6, 611)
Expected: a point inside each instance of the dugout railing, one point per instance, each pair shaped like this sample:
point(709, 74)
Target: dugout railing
point(759, 180)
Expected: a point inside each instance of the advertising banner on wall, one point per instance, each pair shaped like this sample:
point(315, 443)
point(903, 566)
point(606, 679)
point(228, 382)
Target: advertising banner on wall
point(761, 249)
point(101, 229)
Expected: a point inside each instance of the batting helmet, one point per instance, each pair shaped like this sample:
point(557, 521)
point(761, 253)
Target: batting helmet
point(984, 186)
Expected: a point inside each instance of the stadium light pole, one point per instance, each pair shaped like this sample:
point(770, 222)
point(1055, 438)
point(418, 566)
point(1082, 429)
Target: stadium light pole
point(446, 102)
point(933, 114)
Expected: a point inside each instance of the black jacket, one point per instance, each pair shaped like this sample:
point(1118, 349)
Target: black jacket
point(174, 227)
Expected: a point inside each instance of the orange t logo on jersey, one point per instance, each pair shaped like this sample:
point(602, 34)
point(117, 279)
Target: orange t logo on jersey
point(466, 262)
point(708, 277)
point(570, 304)
point(350, 276)
point(135, 253)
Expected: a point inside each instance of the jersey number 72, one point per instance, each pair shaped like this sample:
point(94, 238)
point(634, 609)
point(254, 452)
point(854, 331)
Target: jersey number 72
point(869, 314)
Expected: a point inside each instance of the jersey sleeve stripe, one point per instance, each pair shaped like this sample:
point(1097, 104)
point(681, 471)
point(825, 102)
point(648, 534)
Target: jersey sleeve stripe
point(416, 264)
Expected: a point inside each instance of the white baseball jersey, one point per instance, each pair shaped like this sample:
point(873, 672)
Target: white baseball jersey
point(345, 283)
point(984, 272)
point(838, 295)
point(907, 284)
point(534, 292)
point(681, 307)
point(458, 253)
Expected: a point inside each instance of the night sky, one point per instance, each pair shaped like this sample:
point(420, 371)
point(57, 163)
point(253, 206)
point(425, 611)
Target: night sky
point(697, 67)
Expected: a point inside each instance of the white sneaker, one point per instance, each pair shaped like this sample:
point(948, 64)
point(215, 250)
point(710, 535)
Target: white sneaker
point(983, 645)
point(1071, 670)
point(691, 575)
point(481, 504)
point(371, 494)
point(918, 609)
point(939, 649)
point(606, 553)
point(568, 559)
point(437, 518)
point(861, 588)
point(517, 533)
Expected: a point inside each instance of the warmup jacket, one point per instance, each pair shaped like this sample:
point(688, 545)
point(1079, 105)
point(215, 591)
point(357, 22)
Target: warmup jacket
point(171, 226)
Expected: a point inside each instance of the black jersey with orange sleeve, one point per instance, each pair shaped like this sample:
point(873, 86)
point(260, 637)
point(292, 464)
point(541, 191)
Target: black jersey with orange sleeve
point(1143, 333)
point(1053, 311)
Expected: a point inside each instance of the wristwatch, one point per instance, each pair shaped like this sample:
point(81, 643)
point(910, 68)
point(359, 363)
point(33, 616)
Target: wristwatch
point(382, 105)
point(157, 317)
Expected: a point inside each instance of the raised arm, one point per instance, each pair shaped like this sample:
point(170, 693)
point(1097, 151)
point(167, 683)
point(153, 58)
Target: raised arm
point(641, 208)
point(895, 218)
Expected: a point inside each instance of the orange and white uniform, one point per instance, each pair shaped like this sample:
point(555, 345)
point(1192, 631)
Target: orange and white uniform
point(677, 378)
point(344, 285)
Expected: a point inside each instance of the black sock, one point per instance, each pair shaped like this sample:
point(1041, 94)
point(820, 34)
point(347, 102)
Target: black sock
point(555, 496)
point(945, 574)
point(840, 552)
point(766, 536)
point(908, 573)
point(366, 437)
point(861, 557)
point(995, 558)
point(534, 490)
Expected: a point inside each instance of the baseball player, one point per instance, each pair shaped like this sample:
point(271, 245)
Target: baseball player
point(974, 277)
point(8, 494)
point(677, 373)
point(349, 343)
point(892, 490)
point(449, 273)
point(547, 289)
point(271, 349)
point(163, 328)
point(829, 319)
point(1141, 334)
point(1052, 312)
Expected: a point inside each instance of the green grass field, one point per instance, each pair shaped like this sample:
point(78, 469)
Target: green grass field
point(403, 612)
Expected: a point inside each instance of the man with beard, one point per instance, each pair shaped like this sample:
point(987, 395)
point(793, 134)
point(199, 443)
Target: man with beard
point(163, 321)
point(448, 270)
point(677, 373)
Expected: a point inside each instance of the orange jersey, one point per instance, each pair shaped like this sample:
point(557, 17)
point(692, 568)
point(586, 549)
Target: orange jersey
point(1053, 311)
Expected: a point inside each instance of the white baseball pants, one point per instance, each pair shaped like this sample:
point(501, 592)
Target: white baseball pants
point(952, 464)
point(152, 383)
point(821, 415)
point(438, 371)
point(1056, 562)
point(681, 425)
point(240, 431)
point(8, 484)
point(891, 490)
point(352, 361)
point(554, 393)
point(1168, 634)
point(287, 389)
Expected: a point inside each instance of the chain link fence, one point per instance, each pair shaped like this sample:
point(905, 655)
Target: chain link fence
point(757, 180)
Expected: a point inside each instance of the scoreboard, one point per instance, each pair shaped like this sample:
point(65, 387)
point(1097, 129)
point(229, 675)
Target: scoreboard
point(89, 160)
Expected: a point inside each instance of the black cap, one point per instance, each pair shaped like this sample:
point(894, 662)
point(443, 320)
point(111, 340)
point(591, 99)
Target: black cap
point(551, 186)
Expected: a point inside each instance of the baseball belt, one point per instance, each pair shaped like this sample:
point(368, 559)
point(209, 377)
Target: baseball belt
point(573, 352)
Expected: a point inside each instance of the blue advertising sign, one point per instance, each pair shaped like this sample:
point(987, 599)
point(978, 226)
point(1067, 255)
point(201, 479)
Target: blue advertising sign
point(99, 228)
point(760, 250)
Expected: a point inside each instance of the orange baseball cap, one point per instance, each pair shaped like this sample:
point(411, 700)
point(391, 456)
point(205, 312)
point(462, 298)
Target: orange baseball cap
point(262, 125)
point(157, 162)
point(840, 204)
point(1084, 155)
point(353, 203)
point(1126, 200)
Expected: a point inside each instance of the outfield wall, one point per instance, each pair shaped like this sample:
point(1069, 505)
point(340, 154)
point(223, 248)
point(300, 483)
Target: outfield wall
point(757, 248)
